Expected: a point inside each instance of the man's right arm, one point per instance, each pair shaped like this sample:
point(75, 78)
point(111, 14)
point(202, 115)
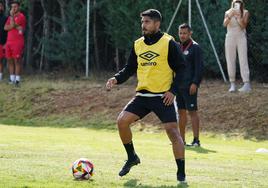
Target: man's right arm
point(129, 69)
point(10, 24)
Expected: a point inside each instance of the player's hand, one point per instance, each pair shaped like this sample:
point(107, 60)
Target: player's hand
point(12, 12)
point(168, 98)
point(110, 83)
point(193, 89)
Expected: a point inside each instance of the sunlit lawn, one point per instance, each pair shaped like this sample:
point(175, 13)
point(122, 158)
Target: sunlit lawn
point(42, 157)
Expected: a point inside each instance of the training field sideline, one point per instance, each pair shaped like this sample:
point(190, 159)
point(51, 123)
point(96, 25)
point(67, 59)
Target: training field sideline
point(42, 157)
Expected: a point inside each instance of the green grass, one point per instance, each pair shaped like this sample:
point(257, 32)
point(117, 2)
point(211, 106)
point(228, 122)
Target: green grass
point(42, 157)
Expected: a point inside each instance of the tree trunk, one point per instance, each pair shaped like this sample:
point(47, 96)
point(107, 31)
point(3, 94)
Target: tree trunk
point(62, 4)
point(43, 60)
point(96, 49)
point(29, 56)
point(117, 59)
point(7, 7)
point(106, 59)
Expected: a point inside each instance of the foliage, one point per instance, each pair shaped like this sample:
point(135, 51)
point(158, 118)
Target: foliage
point(69, 47)
point(118, 25)
point(258, 39)
point(121, 23)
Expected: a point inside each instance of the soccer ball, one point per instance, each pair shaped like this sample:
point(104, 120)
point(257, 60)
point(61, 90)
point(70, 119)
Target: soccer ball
point(82, 169)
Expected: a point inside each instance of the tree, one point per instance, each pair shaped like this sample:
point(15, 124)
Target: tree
point(63, 5)
point(66, 44)
point(95, 38)
point(30, 32)
point(45, 34)
point(56, 32)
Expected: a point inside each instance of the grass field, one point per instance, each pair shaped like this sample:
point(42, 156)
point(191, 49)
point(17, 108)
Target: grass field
point(42, 157)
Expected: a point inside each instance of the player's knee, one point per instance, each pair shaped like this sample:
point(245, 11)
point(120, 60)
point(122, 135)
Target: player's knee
point(173, 134)
point(122, 121)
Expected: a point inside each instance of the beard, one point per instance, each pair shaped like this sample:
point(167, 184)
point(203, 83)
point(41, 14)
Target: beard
point(144, 33)
point(148, 33)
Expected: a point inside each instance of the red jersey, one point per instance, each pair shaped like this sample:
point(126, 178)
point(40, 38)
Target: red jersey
point(14, 34)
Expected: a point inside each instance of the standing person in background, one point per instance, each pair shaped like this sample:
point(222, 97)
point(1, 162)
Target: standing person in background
point(15, 25)
point(3, 36)
point(187, 95)
point(236, 20)
point(154, 57)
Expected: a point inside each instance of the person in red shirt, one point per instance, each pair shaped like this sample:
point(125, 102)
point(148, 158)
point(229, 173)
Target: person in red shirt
point(15, 25)
point(3, 37)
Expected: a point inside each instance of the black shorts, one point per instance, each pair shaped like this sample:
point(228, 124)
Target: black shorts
point(186, 101)
point(141, 106)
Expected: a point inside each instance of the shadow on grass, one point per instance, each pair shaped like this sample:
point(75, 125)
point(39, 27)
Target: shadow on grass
point(200, 150)
point(135, 183)
point(83, 180)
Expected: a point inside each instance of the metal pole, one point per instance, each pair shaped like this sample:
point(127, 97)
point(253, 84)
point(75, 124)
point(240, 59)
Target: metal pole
point(211, 41)
point(174, 15)
point(190, 12)
point(87, 40)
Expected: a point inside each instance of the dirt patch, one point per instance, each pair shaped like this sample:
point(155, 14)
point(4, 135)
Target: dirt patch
point(234, 112)
point(220, 111)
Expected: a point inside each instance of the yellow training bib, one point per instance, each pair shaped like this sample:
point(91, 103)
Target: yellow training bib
point(154, 73)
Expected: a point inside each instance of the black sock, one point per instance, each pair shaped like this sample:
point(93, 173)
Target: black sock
point(130, 151)
point(196, 139)
point(181, 167)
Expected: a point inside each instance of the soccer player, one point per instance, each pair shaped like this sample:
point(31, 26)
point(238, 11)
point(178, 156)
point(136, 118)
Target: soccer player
point(15, 26)
point(154, 57)
point(187, 95)
point(3, 36)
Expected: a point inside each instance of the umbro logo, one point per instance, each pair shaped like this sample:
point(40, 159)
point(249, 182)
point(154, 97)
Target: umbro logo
point(149, 55)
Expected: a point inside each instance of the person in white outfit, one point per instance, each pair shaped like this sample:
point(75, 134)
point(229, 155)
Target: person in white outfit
point(236, 20)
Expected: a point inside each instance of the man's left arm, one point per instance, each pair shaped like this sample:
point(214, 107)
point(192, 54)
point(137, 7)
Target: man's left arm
point(198, 70)
point(198, 66)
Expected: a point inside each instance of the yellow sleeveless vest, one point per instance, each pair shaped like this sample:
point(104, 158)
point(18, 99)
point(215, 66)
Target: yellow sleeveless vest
point(153, 73)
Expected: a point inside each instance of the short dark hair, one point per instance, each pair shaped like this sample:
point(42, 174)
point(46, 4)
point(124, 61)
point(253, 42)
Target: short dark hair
point(185, 26)
point(153, 14)
point(14, 2)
